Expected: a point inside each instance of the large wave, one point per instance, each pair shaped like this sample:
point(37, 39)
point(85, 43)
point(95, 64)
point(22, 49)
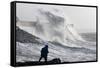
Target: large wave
point(51, 25)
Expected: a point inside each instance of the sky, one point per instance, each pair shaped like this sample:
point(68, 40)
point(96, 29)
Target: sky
point(83, 18)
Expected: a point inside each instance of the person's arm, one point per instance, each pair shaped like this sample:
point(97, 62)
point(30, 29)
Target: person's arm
point(48, 51)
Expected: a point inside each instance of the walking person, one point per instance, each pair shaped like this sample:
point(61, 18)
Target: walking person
point(44, 53)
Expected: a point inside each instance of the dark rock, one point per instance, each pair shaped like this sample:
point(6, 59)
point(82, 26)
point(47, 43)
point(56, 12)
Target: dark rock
point(53, 61)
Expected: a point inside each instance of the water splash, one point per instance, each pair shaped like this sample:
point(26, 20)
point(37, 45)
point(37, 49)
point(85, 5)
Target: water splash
point(51, 25)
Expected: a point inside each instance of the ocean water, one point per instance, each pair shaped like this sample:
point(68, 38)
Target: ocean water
point(89, 36)
point(77, 52)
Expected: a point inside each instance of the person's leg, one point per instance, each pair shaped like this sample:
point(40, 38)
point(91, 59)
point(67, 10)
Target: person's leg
point(45, 59)
point(40, 58)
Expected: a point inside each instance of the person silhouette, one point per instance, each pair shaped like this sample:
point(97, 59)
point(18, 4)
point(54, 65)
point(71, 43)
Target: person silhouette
point(44, 53)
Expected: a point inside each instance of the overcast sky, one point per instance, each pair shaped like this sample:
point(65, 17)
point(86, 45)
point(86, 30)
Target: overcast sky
point(83, 18)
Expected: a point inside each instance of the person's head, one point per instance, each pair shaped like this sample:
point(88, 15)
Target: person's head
point(46, 46)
